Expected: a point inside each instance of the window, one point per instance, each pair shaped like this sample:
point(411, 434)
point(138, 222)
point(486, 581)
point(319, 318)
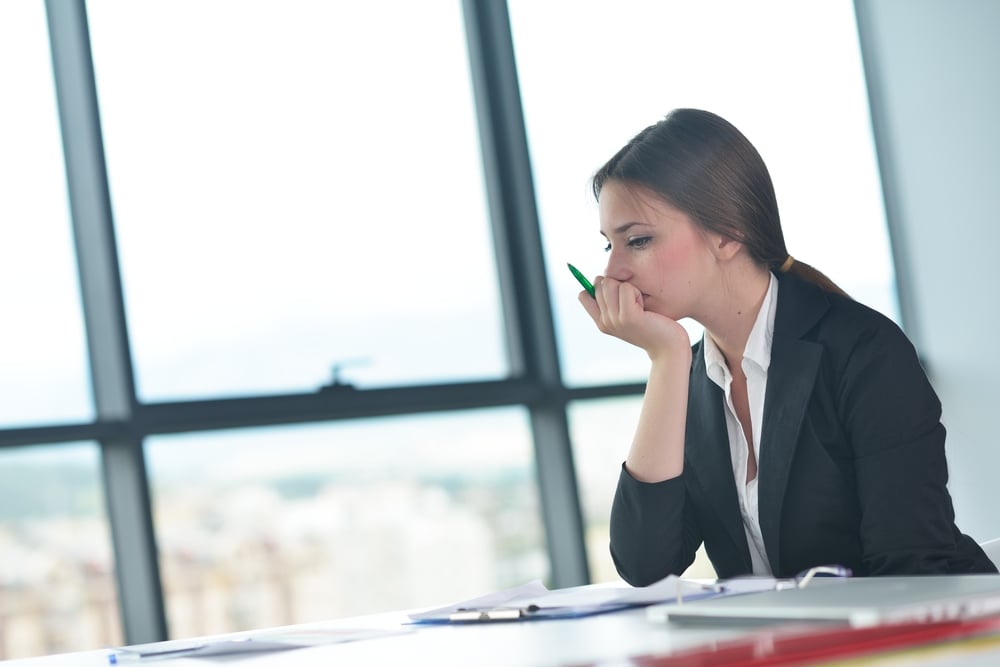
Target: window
point(42, 353)
point(298, 200)
point(788, 74)
point(602, 432)
point(263, 527)
point(298, 195)
point(57, 589)
point(597, 429)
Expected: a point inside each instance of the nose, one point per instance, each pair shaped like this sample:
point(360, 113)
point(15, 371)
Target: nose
point(617, 267)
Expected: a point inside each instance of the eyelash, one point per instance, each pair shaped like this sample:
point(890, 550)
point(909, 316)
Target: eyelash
point(635, 242)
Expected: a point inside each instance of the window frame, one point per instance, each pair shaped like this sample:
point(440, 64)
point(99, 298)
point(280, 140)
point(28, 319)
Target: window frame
point(122, 422)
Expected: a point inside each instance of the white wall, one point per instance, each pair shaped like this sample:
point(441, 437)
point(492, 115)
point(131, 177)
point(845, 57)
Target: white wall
point(934, 77)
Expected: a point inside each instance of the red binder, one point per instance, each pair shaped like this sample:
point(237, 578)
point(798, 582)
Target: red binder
point(811, 644)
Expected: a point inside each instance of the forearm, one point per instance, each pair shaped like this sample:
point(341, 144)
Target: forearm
point(652, 534)
point(657, 451)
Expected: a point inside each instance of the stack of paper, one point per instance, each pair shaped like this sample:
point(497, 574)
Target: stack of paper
point(535, 601)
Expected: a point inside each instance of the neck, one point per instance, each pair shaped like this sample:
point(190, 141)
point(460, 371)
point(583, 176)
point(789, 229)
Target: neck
point(734, 314)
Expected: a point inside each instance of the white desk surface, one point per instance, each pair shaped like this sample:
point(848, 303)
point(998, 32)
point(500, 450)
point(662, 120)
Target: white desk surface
point(608, 640)
point(587, 640)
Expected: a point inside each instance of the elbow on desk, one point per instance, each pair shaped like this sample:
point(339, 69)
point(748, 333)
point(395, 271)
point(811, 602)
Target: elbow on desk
point(642, 569)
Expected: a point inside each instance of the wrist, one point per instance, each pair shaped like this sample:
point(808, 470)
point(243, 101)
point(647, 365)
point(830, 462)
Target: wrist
point(671, 353)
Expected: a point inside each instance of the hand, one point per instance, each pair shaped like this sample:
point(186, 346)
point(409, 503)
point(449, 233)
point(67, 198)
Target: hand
point(617, 310)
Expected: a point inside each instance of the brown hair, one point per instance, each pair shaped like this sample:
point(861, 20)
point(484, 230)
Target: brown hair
point(701, 164)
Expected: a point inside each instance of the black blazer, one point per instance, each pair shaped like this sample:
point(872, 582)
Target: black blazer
point(852, 467)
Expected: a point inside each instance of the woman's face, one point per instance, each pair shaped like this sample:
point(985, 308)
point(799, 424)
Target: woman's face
point(656, 248)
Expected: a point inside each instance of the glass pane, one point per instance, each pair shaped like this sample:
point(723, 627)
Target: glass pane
point(296, 186)
point(57, 588)
point(42, 345)
point(264, 527)
point(601, 431)
point(787, 73)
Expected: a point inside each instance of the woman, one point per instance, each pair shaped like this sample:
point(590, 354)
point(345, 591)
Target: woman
point(801, 430)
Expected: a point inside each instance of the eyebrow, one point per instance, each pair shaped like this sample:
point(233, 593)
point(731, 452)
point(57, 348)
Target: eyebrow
point(621, 229)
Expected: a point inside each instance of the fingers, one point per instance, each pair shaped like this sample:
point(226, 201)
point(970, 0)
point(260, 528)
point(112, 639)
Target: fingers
point(590, 305)
point(595, 305)
point(606, 295)
point(617, 304)
point(618, 310)
point(616, 307)
point(629, 301)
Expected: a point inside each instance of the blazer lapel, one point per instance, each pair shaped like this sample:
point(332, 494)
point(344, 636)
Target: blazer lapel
point(790, 379)
point(706, 451)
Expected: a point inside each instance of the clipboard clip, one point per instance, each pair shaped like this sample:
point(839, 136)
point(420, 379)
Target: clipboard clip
point(495, 614)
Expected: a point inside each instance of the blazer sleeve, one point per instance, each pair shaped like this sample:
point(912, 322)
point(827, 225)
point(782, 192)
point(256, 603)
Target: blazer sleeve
point(653, 530)
point(893, 418)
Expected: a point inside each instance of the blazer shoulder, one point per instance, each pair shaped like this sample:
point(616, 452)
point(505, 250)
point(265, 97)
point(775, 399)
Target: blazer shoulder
point(851, 334)
point(808, 311)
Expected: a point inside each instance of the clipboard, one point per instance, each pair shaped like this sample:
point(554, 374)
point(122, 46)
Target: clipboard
point(533, 601)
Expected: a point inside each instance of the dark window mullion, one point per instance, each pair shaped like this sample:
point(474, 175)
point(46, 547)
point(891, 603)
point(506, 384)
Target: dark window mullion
point(524, 287)
point(126, 484)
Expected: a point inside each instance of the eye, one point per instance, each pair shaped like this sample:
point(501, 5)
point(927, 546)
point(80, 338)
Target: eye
point(639, 241)
point(607, 248)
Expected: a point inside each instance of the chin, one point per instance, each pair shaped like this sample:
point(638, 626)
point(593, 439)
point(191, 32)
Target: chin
point(659, 309)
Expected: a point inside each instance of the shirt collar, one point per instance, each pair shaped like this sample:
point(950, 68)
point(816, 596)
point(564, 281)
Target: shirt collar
point(758, 347)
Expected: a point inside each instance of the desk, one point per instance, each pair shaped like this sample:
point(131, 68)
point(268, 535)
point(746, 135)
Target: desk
point(522, 644)
point(606, 639)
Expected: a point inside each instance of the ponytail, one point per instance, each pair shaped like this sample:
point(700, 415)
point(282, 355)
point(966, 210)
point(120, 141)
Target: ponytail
point(808, 273)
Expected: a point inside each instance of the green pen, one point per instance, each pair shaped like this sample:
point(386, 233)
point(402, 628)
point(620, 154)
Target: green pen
point(582, 279)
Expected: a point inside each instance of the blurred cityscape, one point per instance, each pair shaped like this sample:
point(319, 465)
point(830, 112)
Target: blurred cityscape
point(347, 520)
point(263, 554)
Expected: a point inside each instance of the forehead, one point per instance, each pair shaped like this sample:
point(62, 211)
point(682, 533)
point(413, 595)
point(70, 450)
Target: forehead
point(623, 206)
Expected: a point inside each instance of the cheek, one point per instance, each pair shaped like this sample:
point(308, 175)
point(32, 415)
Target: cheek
point(675, 260)
point(676, 257)
point(677, 269)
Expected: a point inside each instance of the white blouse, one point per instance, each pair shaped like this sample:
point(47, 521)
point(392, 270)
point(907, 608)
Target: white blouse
point(756, 359)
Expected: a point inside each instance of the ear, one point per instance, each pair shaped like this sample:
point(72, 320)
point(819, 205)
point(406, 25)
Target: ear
point(725, 248)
